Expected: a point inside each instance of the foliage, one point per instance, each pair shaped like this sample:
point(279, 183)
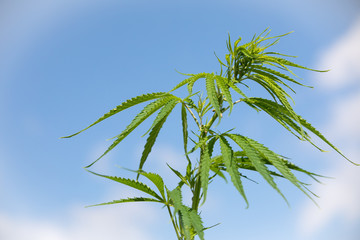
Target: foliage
point(251, 61)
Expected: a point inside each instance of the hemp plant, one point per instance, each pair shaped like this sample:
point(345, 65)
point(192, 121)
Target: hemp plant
point(238, 154)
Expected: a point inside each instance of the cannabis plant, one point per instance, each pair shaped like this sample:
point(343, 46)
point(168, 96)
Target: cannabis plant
point(206, 107)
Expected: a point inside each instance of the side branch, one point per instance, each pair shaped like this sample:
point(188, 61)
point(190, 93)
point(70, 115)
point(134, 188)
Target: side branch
point(213, 118)
point(194, 117)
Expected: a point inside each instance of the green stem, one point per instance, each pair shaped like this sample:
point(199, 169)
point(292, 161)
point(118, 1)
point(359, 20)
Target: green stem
point(193, 115)
point(173, 222)
point(197, 188)
point(196, 194)
point(214, 117)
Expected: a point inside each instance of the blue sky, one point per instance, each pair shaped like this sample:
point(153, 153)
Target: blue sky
point(65, 63)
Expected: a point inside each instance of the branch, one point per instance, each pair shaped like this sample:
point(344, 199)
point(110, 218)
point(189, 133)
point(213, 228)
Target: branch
point(194, 117)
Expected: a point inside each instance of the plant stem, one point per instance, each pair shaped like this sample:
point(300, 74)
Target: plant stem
point(196, 193)
point(197, 189)
point(193, 115)
point(173, 222)
point(214, 117)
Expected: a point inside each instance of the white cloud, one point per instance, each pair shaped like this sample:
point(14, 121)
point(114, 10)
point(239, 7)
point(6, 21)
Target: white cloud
point(345, 118)
point(95, 223)
point(343, 58)
point(339, 198)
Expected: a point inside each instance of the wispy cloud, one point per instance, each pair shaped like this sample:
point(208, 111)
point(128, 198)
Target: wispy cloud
point(84, 224)
point(339, 198)
point(343, 58)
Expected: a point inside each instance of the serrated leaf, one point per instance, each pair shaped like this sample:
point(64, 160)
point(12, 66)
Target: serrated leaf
point(211, 144)
point(131, 183)
point(278, 36)
point(276, 111)
point(292, 166)
point(212, 95)
point(135, 199)
point(280, 54)
point(165, 111)
point(236, 89)
point(144, 114)
point(127, 104)
point(279, 74)
point(276, 161)
point(192, 80)
point(280, 94)
point(195, 78)
point(184, 129)
point(231, 168)
point(201, 142)
point(196, 222)
point(256, 160)
point(224, 87)
point(282, 115)
point(175, 196)
point(291, 64)
point(155, 129)
point(317, 133)
point(221, 63)
point(266, 86)
point(156, 179)
point(205, 162)
point(272, 77)
point(218, 171)
point(177, 173)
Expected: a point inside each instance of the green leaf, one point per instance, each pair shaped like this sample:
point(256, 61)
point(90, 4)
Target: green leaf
point(131, 183)
point(218, 171)
point(231, 167)
point(279, 74)
point(135, 199)
point(292, 166)
point(211, 144)
point(201, 142)
point(184, 129)
point(205, 162)
point(272, 77)
point(256, 159)
point(279, 113)
point(283, 61)
point(196, 222)
point(266, 86)
point(236, 89)
point(175, 196)
point(155, 129)
point(190, 80)
point(127, 104)
point(189, 218)
point(277, 162)
point(156, 180)
point(279, 36)
point(222, 83)
point(221, 63)
point(280, 94)
point(283, 116)
point(212, 95)
point(317, 133)
point(144, 114)
point(179, 175)
point(164, 112)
